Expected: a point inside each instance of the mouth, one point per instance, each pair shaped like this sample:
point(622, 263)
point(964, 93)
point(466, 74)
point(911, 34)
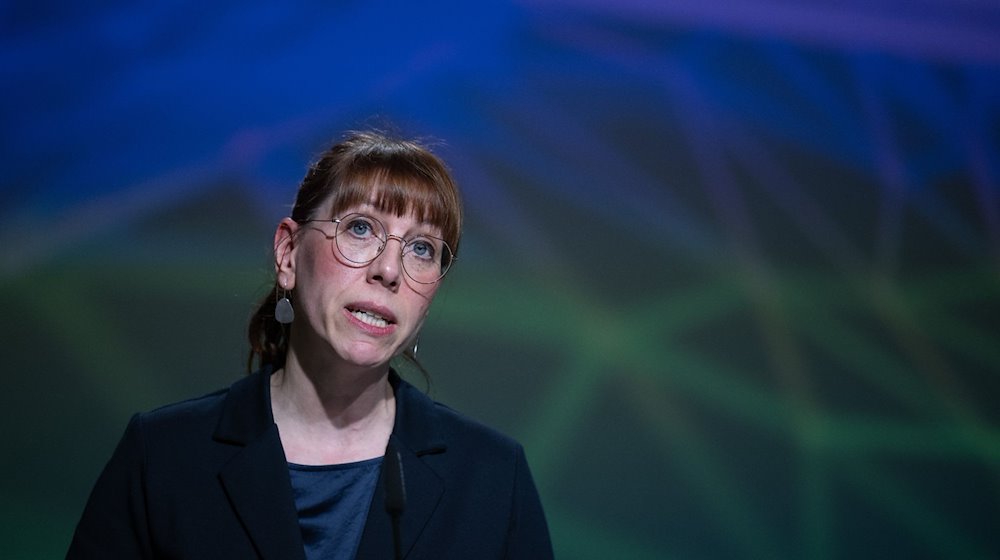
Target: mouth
point(375, 318)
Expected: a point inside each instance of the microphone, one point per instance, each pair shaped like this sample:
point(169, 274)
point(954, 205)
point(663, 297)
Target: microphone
point(395, 491)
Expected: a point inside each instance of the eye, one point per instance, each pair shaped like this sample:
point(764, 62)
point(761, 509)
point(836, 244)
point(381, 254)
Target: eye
point(360, 227)
point(423, 249)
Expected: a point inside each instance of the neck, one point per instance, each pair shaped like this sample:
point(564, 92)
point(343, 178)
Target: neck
point(336, 392)
point(332, 414)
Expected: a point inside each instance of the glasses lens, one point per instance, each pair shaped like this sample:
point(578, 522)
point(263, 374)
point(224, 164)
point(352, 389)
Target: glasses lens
point(426, 259)
point(359, 238)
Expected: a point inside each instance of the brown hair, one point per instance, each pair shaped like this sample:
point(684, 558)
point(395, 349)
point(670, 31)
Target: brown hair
point(395, 175)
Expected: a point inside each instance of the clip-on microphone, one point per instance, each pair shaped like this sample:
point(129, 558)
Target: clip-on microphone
point(395, 492)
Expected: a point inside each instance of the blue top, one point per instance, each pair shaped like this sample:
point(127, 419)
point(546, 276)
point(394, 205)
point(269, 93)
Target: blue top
point(333, 502)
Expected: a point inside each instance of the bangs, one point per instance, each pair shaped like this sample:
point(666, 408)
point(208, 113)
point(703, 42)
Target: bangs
point(402, 192)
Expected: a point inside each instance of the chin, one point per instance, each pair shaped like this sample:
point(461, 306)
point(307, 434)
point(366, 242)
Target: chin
point(368, 360)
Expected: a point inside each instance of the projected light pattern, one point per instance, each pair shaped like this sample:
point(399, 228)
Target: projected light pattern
point(731, 276)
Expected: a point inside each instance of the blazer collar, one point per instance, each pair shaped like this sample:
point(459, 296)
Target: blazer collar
point(256, 478)
point(257, 482)
point(417, 434)
point(417, 425)
point(246, 414)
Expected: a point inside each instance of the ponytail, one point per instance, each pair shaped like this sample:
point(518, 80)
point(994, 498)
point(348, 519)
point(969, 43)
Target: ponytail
point(268, 338)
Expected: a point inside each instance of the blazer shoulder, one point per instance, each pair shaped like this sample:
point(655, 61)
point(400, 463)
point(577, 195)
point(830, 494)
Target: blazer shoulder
point(458, 427)
point(194, 405)
point(198, 412)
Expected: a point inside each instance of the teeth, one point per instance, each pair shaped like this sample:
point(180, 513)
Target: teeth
point(371, 319)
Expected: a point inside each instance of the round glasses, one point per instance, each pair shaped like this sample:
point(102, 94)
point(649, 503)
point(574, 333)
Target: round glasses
point(360, 239)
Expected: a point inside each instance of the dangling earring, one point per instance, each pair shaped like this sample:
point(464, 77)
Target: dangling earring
point(283, 312)
point(416, 343)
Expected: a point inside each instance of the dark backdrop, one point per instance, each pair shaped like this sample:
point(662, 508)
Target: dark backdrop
point(730, 271)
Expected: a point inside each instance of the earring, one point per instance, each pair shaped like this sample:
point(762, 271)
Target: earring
point(283, 311)
point(416, 343)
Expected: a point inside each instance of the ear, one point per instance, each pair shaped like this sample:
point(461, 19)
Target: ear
point(285, 246)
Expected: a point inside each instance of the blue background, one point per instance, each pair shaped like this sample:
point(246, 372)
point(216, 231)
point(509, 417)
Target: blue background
point(730, 270)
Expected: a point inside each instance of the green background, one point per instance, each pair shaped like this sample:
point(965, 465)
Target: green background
point(731, 276)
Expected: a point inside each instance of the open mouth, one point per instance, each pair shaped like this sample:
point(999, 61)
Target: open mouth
point(370, 318)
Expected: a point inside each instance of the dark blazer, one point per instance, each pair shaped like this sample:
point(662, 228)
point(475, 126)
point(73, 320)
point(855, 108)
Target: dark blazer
point(207, 478)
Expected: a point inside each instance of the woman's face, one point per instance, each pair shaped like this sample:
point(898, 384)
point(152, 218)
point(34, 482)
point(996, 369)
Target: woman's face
point(360, 315)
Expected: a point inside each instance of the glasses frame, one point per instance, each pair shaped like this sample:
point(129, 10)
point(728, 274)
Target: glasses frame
point(384, 243)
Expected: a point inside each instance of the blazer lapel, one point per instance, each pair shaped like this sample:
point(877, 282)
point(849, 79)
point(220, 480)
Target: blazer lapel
point(423, 492)
point(256, 478)
point(260, 491)
point(259, 488)
point(415, 434)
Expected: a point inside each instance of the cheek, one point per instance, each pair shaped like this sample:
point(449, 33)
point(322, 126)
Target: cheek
point(317, 279)
point(317, 265)
point(420, 301)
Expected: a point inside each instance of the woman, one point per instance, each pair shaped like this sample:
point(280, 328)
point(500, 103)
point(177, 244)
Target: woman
point(292, 461)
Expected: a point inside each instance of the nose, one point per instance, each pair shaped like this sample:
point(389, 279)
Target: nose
point(385, 269)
